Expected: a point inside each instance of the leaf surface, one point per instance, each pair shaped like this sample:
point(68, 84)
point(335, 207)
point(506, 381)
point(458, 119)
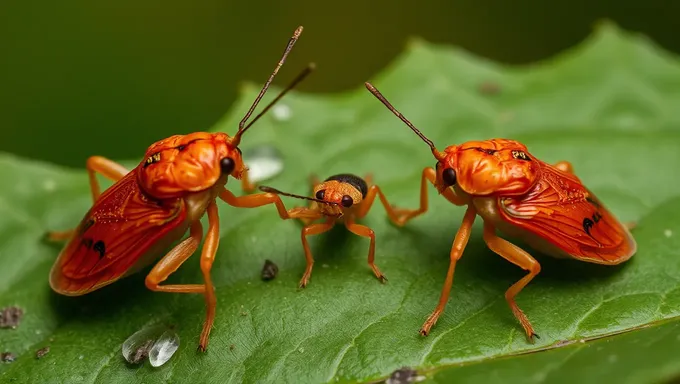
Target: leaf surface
point(609, 106)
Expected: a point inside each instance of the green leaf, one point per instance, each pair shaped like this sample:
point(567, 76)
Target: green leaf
point(608, 106)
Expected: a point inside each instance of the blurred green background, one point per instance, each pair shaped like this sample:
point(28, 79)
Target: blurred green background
point(115, 76)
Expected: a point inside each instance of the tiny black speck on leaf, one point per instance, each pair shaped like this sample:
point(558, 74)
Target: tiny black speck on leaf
point(40, 353)
point(404, 375)
point(269, 270)
point(7, 357)
point(10, 317)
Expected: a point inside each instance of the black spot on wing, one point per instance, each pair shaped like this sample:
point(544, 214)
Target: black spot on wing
point(100, 247)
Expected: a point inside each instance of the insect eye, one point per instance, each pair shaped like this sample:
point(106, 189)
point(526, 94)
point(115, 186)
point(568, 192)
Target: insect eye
point(347, 201)
point(320, 194)
point(227, 164)
point(449, 176)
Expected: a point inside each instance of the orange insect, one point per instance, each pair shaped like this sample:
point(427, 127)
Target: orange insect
point(149, 208)
point(340, 198)
point(546, 206)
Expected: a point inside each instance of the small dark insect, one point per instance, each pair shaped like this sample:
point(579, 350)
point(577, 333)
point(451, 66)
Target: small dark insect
point(40, 353)
point(489, 88)
point(269, 270)
point(403, 375)
point(7, 357)
point(232, 347)
point(10, 317)
point(142, 352)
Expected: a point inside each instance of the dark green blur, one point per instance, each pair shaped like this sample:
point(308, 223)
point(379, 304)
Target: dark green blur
point(112, 77)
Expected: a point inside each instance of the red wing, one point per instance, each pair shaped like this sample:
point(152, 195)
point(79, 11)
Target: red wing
point(118, 231)
point(565, 213)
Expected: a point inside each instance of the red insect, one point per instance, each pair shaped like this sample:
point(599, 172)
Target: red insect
point(152, 206)
point(544, 205)
point(340, 198)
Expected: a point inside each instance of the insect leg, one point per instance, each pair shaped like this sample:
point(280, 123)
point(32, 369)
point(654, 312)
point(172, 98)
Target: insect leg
point(365, 231)
point(108, 168)
point(254, 201)
point(404, 215)
point(565, 166)
point(519, 257)
point(459, 243)
point(246, 185)
point(95, 164)
point(314, 229)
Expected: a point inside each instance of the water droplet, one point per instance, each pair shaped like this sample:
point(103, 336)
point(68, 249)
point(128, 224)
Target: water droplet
point(263, 162)
point(301, 350)
point(613, 358)
point(136, 348)
point(668, 233)
point(282, 112)
point(325, 265)
point(164, 348)
point(80, 357)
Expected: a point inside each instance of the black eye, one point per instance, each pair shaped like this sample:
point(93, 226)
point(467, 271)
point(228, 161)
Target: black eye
point(449, 176)
point(320, 194)
point(227, 165)
point(347, 201)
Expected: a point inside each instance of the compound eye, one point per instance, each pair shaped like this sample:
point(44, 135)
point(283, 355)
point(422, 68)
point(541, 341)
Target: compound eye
point(227, 164)
point(320, 194)
point(347, 201)
point(449, 177)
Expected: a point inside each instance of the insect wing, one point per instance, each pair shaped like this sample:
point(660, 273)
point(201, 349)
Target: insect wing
point(119, 230)
point(565, 213)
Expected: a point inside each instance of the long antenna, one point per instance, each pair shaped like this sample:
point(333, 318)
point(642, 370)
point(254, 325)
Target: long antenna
point(237, 137)
point(305, 72)
point(389, 106)
point(264, 188)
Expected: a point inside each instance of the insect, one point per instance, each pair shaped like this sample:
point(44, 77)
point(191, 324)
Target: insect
point(340, 198)
point(152, 206)
point(545, 205)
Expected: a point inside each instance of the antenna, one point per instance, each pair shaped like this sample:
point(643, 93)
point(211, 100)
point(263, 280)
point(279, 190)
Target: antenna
point(241, 126)
point(264, 188)
point(389, 106)
point(305, 72)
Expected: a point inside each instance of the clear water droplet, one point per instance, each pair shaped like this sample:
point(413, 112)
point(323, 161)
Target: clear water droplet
point(263, 162)
point(136, 348)
point(164, 348)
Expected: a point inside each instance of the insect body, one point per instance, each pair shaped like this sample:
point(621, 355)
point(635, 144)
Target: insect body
point(152, 206)
point(513, 191)
point(340, 198)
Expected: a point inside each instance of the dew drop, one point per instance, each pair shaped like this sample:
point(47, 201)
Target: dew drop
point(136, 348)
point(164, 348)
point(264, 162)
point(282, 112)
point(668, 233)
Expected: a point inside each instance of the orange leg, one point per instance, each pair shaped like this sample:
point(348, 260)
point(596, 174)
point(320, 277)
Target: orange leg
point(519, 257)
point(254, 201)
point(246, 185)
point(178, 255)
point(365, 231)
point(314, 229)
point(459, 244)
point(429, 174)
point(95, 164)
